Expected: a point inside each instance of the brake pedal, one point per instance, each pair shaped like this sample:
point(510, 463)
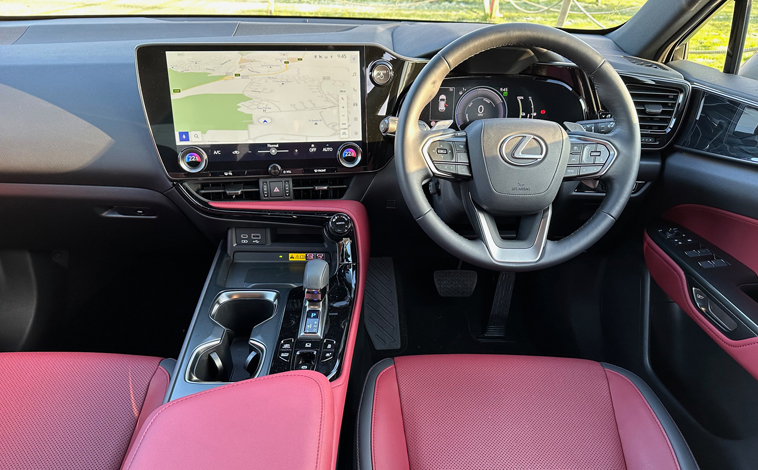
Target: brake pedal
point(455, 282)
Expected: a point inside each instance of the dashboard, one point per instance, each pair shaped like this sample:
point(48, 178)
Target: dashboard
point(221, 111)
point(89, 115)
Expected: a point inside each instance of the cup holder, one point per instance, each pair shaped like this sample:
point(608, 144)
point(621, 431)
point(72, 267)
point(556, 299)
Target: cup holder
point(232, 356)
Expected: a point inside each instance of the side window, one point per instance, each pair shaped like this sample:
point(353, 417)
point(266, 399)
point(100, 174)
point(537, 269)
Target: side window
point(707, 46)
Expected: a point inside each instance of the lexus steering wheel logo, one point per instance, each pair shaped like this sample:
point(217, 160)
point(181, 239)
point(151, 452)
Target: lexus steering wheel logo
point(523, 149)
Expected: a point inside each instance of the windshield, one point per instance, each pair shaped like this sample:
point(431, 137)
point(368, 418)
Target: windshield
point(577, 14)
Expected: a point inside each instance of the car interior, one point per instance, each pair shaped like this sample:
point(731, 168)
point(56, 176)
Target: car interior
point(250, 242)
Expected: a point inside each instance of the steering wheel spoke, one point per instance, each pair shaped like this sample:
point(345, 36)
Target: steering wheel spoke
point(591, 155)
point(446, 154)
point(526, 247)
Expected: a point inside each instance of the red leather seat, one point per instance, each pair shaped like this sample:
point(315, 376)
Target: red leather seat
point(513, 412)
point(74, 410)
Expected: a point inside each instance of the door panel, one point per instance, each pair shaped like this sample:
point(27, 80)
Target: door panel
point(733, 233)
point(670, 276)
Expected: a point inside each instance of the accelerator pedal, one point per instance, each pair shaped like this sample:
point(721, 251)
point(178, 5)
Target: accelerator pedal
point(380, 305)
point(455, 282)
point(501, 306)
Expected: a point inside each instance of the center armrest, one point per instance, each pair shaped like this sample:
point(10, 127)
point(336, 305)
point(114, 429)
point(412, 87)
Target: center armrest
point(281, 421)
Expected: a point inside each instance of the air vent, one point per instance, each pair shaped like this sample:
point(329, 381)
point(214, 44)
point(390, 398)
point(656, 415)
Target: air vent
point(646, 63)
point(319, 188)
point(229, 191)
point(302, 188)
point(657, 107)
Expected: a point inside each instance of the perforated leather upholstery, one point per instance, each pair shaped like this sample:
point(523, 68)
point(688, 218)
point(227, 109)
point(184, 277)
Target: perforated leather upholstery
point(73, 410)
point(513, 412)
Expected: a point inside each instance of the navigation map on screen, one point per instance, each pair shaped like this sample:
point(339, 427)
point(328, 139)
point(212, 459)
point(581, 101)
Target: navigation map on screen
point(230, 97)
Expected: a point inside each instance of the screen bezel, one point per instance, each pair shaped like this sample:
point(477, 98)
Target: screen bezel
point(152, 72)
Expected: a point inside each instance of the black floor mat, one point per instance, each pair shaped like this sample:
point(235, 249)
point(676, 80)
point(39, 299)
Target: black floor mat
point(380, 305)
point(445, 325)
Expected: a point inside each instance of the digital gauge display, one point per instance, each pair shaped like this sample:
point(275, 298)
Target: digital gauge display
point(479, 103)
point(463, 100)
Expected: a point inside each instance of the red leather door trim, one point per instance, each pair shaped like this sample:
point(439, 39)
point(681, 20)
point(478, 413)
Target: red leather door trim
point(357, 212)
point(671, 279)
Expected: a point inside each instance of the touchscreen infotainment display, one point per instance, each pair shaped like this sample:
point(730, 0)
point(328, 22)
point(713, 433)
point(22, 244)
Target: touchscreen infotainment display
point(265, 96)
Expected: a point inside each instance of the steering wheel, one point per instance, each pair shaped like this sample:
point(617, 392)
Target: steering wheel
point(516, 166)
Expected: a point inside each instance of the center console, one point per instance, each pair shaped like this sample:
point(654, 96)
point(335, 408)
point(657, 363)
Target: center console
point(275, 300)
point(265, 144)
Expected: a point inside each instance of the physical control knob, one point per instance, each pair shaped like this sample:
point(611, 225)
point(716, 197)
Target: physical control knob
point(274, 169)
point(193, 159)
point(339, 225)
point(349, 154)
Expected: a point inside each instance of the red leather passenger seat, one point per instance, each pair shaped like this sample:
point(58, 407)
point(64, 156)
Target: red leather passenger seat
point(74, 410)
point(513, 412)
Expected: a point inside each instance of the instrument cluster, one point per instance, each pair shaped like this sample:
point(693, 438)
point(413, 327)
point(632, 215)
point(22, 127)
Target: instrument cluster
point(466, 99)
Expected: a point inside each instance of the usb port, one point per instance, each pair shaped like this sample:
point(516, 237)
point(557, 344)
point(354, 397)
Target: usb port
point(255, 236)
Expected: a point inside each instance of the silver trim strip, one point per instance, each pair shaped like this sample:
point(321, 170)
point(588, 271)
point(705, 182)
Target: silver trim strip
point(515, 255)
point(221, 299)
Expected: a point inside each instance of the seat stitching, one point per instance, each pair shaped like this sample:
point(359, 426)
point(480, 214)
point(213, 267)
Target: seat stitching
point(197, 395)
point(613, 407)
point(373, 415)
point(652, 413)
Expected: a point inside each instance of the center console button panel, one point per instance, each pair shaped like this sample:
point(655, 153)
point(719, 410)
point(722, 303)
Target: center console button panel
point(280, 189)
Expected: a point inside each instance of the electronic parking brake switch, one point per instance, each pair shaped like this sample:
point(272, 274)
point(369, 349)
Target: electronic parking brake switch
point(314, 316)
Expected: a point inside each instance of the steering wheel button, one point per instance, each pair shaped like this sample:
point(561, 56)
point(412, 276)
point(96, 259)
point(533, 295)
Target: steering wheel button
point(461, 157)
point(460, 146)
point(463, 170)
point(442, 151)
point(571, 171)
point(587, 154)
point(588, 170)
point(575, 158)
point(604, 154)
point(446, 167)
point(577, 148)
point(448, 157)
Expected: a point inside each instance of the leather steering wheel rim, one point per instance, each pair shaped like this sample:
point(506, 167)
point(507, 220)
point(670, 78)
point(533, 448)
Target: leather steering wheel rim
point(413, 170)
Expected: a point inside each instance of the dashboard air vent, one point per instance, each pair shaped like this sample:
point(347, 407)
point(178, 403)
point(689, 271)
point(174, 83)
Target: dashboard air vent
point(229, 191)
point(657, 107)
point(302, 188)
point(319, 188)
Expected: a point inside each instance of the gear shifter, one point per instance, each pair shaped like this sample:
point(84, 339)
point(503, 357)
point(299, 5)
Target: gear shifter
point(313, 318)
